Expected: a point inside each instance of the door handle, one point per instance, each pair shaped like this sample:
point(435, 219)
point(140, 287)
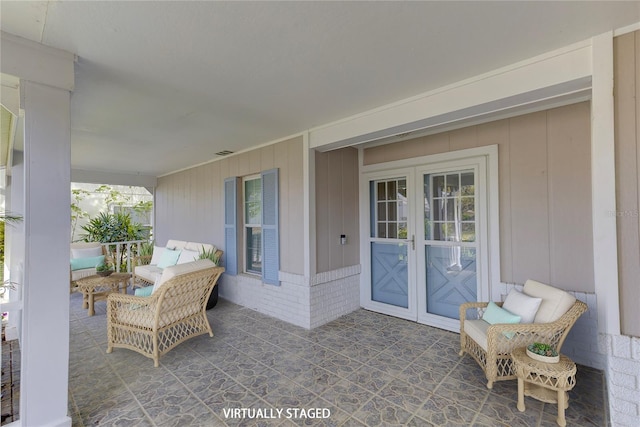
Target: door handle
point(413, 242)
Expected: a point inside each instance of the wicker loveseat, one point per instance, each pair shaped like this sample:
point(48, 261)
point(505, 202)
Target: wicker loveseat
point(147, 268)
point(155, 324)
point(491, 344)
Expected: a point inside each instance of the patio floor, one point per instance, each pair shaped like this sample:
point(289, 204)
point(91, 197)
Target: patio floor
point(364, 369)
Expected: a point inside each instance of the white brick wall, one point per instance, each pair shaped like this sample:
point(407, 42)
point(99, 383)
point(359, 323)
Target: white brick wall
point(334, 294)
point(288, 302)
point(623, 378)
point(303, 302)
point(581, 344)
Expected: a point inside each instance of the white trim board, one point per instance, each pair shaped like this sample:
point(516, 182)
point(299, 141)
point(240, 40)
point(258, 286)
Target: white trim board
point(555, 74)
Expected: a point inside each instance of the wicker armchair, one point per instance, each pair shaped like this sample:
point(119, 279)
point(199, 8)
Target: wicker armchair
point(494, 355)
point(87, 251)
point(155, 324)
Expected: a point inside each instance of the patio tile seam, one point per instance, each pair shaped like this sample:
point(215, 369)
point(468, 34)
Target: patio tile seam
point(186, 388)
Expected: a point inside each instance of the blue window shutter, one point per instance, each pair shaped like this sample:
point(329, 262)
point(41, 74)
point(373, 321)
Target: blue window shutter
point(270, 234)
point(230, 226)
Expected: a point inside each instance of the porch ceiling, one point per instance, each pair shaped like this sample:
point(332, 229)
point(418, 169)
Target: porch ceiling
point(164, 85)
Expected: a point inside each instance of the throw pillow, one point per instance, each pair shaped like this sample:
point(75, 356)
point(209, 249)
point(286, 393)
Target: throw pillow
point(522, 305)
point(86, 252)
point(157, 254)
point(187, 256)
point(168, 258)
point(494, 314)
point(89, 262)
point(143, 292)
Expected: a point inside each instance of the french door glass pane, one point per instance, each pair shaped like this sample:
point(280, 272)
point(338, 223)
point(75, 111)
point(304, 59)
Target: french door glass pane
point(389, 197)
point(449, 207)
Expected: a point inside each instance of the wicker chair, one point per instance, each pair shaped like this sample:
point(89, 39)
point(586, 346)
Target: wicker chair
point(155, 324)
point(79, 251)
point(494, 355)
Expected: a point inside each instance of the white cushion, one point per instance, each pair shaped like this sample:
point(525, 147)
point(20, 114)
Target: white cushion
point(89, 252)
point(176, 244)
point(195, 246)
point(150, 273)
point(522, 305)
point(179, 269)
point(555, 302)
point(157, 255)
point(187, 256)
point(477, 331)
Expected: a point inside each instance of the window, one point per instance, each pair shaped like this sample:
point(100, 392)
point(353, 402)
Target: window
point(251, 226)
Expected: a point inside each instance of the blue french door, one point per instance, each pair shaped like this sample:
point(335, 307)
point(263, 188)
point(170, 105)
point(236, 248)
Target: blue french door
point(391, 248)
point(449, 243)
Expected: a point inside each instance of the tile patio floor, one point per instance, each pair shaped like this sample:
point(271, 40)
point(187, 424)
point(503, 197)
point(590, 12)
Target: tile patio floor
point(367, 369)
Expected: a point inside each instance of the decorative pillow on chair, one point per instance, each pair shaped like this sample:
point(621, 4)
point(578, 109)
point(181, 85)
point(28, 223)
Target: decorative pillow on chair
point(168, 258)
point(89, 262)
point(522, 305)
point(494, 315)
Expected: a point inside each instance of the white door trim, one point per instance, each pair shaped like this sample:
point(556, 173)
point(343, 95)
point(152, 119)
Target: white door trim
point(491, 269)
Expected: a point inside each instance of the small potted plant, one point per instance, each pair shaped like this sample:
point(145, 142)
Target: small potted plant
point(104, 270)
point(542, 352)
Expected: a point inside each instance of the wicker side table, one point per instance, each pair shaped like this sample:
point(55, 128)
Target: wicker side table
point(547, 382)
point(96, 287)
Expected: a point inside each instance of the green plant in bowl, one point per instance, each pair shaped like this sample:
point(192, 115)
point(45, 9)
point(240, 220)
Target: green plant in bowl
point(542, 353)
point(104, 269)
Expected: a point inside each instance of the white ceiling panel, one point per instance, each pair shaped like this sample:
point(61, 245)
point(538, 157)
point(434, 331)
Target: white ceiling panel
point(172, 83)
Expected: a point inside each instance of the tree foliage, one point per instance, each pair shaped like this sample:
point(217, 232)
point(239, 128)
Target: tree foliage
point(112, 227)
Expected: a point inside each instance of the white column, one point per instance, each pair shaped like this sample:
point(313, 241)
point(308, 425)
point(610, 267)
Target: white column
point(603, 184)
point(45, 338)
point(46, 78)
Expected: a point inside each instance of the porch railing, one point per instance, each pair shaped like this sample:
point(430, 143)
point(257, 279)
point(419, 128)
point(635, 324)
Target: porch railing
point(128, 248)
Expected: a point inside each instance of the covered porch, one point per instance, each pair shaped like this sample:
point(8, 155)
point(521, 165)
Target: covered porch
point(366, 368)
point(363, 369)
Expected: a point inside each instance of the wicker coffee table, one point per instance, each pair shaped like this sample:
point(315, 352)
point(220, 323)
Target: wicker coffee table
point(95, 288)
point(547, 382)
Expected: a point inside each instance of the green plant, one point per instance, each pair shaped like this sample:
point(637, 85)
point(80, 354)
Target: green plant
point(104, 267)
point(542, 349)
point(145, 249)
point(77, 213)
point(111, 228)
point(5, 217)
point(211, 254)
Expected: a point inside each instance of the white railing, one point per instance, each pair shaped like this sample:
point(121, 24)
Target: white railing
point(126, 248)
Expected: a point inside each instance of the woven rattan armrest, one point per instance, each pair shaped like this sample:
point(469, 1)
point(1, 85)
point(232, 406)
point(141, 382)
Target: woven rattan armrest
point(116, 302)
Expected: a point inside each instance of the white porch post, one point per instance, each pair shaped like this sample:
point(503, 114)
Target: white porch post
point(46, 79)
point(45, 337)
point(603, 184)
